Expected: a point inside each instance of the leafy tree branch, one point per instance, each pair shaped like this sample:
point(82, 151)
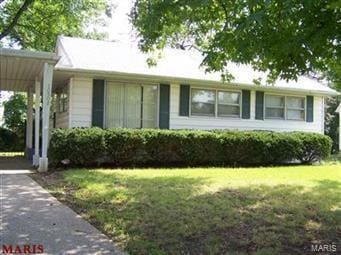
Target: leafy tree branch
point(35, 24)
point(16, 17)
point(286, 38)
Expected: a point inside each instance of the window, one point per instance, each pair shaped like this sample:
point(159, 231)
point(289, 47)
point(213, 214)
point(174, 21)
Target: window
point(228, 104)
point(213, 103)
point(274, 107)
point(203, 102)
point(63, 100)
point(149, 106)
point(284, 107)
point(130, 106)
point(295, 108)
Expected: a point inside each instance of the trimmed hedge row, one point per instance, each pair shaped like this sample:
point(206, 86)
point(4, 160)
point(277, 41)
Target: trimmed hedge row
point(152, 147)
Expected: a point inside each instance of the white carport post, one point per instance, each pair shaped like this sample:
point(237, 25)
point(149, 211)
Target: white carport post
point(36, 155)
point(47, 92)
point(29, 122)
point(338, 110)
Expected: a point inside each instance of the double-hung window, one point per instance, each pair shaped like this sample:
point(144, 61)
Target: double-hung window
point(274, 107)
point(203, 102)
point(215, 103)
point(284, 107)
point(295, 108)
point(228, 104)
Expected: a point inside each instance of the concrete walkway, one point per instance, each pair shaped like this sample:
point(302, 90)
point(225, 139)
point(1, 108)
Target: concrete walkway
point(30, 215)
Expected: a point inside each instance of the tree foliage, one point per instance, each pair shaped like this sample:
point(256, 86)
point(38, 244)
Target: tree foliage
point(288, 38)
point(36, 24)
point(15, 114)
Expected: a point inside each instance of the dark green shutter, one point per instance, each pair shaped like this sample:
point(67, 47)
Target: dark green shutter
point(246, 104)
point(97, 103)
point(259, 105)
point(184, 100)
point(310, 108)
point(164, 106)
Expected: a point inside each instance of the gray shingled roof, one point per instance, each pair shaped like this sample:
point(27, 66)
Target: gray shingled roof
point(116, 57)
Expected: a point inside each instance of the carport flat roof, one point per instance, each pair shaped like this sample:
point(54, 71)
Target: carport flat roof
point(19, 68)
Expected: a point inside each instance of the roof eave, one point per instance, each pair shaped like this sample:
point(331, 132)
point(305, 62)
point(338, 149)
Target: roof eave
point(193, 80)
point(49, 57)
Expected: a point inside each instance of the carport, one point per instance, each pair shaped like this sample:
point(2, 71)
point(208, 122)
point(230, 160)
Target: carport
point(31, 72)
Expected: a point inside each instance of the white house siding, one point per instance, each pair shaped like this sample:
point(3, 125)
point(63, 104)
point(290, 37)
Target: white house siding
point(207, 123)
point(80, 102)
point(80, 112)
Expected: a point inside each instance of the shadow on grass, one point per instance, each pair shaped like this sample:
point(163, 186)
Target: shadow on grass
point(172, 215)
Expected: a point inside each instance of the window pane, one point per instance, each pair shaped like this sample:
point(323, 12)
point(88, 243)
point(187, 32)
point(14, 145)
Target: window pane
point(114, 105)
point(125, 105)
point(228, 97)
point(275, 101)
point(228, 110)
point(63, 100)
point(275, 113)
point(148, 124)
point(295, 102)
point(133, 106)
point(295, 114)
point(149, 106)
point(203, 102)
point(203, 96)
point(202, 109)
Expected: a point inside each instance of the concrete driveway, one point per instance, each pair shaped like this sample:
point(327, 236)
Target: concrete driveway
point(31, 217)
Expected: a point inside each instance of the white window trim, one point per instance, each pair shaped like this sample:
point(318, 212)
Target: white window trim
point(285, 107)
point(216, 90)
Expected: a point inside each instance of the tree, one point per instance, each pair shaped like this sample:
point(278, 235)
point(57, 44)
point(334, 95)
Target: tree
point(15, 114)
point(287, 38)
point(35, 24)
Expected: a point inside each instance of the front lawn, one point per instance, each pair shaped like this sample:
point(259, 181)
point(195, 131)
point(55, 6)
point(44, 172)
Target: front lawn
point(280, 210)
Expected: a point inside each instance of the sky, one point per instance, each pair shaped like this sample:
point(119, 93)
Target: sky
point(119, 27)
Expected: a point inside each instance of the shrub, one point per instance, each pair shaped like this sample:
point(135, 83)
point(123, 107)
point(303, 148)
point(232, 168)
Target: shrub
point(9, 141)
point(153, 147)
point(313, 147)
point(126, 146)
point(81, 146)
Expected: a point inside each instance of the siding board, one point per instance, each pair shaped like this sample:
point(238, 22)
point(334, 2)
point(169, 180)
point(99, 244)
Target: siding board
point(81, 102)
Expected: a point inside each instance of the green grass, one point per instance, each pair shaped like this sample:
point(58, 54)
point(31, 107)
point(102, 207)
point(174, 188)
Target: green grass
point(11, 153)
point(279, 210)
